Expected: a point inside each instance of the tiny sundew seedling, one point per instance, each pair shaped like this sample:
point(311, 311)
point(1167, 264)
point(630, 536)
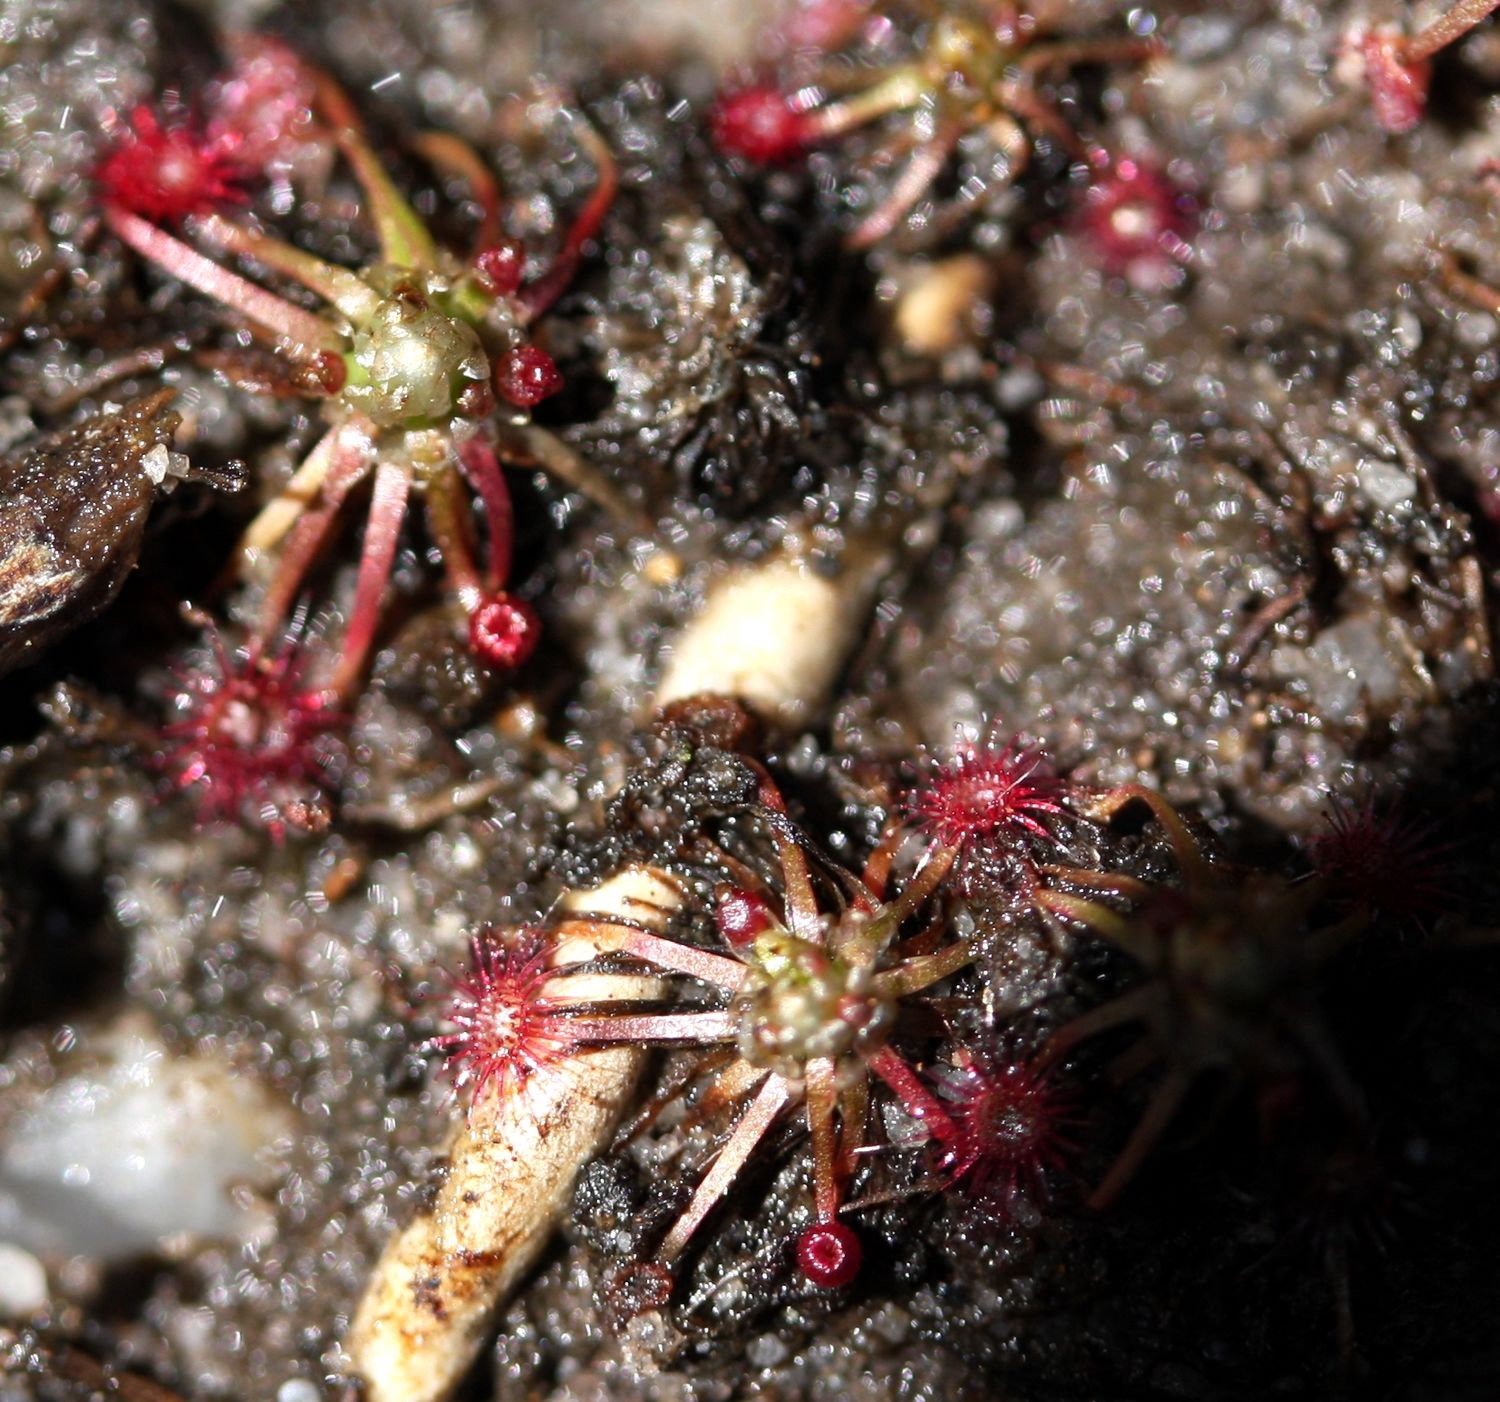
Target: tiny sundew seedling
point(1015, 1127)
point(166, 167)
point(1384, 860)
point(986, 792)
point(1137, 220)
point(251, 740)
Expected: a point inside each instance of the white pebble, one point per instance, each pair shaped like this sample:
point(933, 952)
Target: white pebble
point(766, 1351)
point(164, 467)
point(23, 1283)
point(141, 1146)
point(1386, 485)
point(156, 463)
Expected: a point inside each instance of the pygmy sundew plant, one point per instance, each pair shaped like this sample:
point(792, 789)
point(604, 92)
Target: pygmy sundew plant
point(1229, 956)
point(812, 1002)
point(421, 359)
point(424, 365)
point(975, 67)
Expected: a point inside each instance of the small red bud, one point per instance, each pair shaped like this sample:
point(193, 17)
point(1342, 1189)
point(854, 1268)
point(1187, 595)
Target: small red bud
point(499, 268)
point(476, 401)
point(329, 372)
point(504, 632)
point(855, 1010)
point(829, 1254)
point(759, 124)
point(741, 915)
point(526, 376)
